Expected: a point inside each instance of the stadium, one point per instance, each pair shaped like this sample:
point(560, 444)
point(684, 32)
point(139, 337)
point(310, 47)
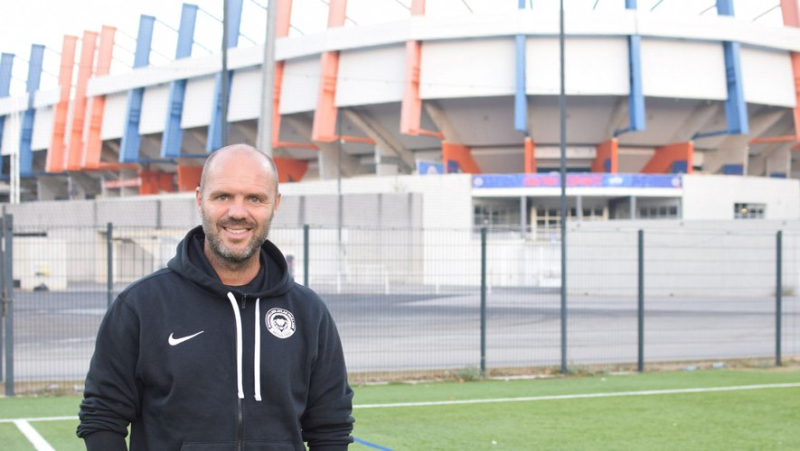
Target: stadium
point(419, 148)
point(424, 95)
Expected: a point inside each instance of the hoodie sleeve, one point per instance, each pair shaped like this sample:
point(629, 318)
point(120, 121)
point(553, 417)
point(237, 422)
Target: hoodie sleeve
point(111, 393)
point(327, 421)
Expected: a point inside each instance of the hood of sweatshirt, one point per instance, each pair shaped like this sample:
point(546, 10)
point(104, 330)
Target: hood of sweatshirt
point(190, 262)
point(273, 280)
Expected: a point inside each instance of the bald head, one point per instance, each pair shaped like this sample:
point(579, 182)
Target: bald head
point(237, 199)
point(247, 154)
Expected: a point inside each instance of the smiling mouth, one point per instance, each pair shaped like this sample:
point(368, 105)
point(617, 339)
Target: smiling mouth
point(236, 230)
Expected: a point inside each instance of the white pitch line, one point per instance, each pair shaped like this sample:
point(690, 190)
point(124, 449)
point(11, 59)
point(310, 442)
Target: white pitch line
point(522, 399)
point(583, 396)
point(33, 436)
point(14, 420)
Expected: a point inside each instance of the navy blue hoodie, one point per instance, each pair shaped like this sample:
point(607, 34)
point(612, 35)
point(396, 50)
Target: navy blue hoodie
point(194, 365)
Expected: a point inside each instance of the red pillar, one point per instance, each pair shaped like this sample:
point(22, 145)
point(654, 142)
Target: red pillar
point(530, 156)
point(94, 144)
point(791, 18)
point(606, 158)
point(324, 128)
point(85, 68)
point(290, 170)
point(56, 152)
point(282, 25)
point(665, 158)
point(461, 155)
point(411, 108)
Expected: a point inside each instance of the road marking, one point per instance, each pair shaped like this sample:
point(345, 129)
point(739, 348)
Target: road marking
point(33, 436)
point(582, 396)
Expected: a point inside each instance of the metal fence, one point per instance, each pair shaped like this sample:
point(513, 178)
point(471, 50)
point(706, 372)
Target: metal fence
point(425, 303)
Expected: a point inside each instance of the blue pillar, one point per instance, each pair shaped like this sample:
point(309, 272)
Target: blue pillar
point(26, 131)
point(520, 98)
point(215, 124)
point(131, 140)
point(636, 108)
point(735, 105)
point(6, 64)
point(173, 134)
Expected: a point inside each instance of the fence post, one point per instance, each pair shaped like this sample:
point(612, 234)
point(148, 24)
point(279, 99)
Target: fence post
point(109, 264)
point(640, 360)
point(305, 254)
point(778, 296)
point(483, 301)
point(2, 289)
point(8, 299)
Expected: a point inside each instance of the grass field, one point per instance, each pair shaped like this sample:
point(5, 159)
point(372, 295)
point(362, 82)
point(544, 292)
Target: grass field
point(712, 409)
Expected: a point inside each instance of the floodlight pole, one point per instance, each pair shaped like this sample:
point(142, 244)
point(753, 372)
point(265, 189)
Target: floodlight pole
point(224, 111)
point(562, 106)
point(265, 132)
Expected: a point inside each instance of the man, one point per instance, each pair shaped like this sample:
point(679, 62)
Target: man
point(220, 350)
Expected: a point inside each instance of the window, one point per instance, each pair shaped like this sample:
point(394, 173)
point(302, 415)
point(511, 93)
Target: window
point(658, 212)
point(748, 211)
point(497, 215)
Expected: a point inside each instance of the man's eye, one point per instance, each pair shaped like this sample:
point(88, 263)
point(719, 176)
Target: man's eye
point(255, 200)
point(222, 197)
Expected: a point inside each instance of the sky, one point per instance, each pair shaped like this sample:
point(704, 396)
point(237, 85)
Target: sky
point(27, 22)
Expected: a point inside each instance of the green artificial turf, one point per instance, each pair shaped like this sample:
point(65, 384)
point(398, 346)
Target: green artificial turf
point(764, 418)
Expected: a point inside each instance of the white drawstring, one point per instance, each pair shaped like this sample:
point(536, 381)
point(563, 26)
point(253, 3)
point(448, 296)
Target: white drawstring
point(235, 306)
point(257, 356)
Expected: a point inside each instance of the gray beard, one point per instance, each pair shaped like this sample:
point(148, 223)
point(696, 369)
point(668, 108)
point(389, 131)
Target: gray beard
point(219, 249)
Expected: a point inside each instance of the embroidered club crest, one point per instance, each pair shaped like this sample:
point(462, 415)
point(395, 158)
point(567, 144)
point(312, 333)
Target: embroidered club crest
point(280, 322)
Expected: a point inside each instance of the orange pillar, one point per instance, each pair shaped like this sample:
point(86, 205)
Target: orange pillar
point(411, 108)
point(674, 158)
point(462, 155)
point(148, 182)
point(530, 156)
point(165, 182)
point(290, 170)
point(791, 18)
point(94, 144)
point(282, 25)
point(324, 128)
point(189, 177)
point(55, 154)
point(75, 147)
point(606, 157)
point(155, 182)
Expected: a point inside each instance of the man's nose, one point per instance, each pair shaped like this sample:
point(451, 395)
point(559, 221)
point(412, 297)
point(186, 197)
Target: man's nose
point(237, 209)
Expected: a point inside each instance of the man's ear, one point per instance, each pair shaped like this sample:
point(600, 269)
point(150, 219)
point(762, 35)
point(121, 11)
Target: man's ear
point(277, 203)
point(198, 198)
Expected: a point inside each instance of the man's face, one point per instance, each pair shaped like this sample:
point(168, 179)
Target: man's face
point(237, 205)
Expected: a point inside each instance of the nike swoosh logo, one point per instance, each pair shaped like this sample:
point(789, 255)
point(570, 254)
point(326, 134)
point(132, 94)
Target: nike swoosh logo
point(176, 341)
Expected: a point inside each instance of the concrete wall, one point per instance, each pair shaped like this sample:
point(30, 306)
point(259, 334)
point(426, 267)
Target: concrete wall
point(40, 261)
point(416, 231)
point(712, 197)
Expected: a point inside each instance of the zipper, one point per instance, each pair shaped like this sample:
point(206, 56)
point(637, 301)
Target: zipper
point(239, 425)
point(240, 390)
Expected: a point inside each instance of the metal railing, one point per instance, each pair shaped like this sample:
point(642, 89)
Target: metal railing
point(425, 303)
